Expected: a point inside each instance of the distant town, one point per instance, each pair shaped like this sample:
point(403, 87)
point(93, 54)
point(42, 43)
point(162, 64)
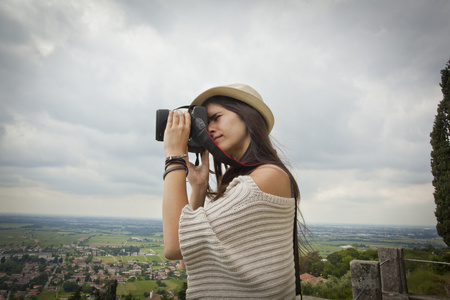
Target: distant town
point(74, 266)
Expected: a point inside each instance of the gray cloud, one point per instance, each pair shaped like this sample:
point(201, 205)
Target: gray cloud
point(353, 86)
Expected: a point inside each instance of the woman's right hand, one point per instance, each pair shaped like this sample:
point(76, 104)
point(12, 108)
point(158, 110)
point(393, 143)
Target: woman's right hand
point(177, 132)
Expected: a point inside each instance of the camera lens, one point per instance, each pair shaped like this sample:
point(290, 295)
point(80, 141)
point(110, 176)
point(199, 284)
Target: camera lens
point(161, 123)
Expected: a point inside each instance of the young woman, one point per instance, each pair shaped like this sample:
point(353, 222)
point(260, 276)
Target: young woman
point(240, 243)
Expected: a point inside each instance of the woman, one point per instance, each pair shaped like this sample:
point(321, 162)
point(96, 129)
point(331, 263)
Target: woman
point(241, 244)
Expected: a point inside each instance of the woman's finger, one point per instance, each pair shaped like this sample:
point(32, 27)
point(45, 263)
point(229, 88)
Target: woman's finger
point(170, 119)
point(187, 118)
point(176, 118)
point(205, 158)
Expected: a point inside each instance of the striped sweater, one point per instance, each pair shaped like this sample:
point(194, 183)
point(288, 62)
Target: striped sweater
point(239, 246)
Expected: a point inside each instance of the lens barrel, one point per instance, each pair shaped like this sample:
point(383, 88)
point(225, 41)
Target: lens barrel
point(196, 112)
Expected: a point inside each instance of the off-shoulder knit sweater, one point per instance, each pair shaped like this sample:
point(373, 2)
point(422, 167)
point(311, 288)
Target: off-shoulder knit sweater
point(239, 246)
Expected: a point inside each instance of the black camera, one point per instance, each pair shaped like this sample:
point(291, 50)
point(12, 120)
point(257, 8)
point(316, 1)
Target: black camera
point(199, 115)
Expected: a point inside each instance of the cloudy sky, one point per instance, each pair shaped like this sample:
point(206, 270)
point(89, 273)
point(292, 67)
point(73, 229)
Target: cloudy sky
point(354, 87)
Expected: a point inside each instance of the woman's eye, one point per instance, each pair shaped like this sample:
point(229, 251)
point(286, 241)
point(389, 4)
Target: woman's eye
point(214, 117)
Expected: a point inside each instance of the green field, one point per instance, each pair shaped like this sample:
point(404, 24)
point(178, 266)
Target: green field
point(41, 237)
point(14, 237)
point(18, 236)
point(45, 295)
point(107, 239)
point(13, 225)
point(139, 258)
point(138, 288)
point(325, 247)
point(329, 244)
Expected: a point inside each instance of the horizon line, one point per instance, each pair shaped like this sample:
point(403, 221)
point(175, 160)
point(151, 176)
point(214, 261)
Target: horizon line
point(317, 223)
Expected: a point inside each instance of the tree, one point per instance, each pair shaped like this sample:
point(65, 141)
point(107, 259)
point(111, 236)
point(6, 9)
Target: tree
point(109, 293)
point(130, 297)
point(182, 292)
point(440, 158)
point(312, 263)
point(70, 287)
point(76, 295)
point(87, 289)
point(160, 283)
point(111, 290)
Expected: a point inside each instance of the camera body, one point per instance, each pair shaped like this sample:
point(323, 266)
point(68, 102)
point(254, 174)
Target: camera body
point(199, 114)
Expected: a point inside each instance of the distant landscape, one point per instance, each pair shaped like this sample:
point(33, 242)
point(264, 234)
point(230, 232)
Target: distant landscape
point(44, 231)
point(65, 253)
point(329, 238)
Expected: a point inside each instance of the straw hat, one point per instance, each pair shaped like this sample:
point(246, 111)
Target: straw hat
point(241, 92)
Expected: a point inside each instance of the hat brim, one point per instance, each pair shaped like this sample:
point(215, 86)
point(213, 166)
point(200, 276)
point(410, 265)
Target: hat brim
point(240, 95)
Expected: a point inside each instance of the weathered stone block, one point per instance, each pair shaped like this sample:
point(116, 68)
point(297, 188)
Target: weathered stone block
point(393, 277)
point(366, 279)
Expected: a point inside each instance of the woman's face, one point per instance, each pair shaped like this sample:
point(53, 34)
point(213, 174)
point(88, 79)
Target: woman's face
point(228, 130)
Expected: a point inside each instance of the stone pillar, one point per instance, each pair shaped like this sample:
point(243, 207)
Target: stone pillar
point(392, 265)
point(366, 282)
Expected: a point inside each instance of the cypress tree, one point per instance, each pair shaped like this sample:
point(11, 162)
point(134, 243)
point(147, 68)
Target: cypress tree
point(440, 158)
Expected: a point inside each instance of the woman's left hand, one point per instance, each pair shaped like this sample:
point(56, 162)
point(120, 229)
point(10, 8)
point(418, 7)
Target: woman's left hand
point(198, 179)
point(199, 175)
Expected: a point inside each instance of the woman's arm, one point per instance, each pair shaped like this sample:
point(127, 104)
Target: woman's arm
point(175, 198)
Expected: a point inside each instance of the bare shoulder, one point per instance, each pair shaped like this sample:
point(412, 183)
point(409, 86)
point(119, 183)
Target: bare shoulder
point(272, 180)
